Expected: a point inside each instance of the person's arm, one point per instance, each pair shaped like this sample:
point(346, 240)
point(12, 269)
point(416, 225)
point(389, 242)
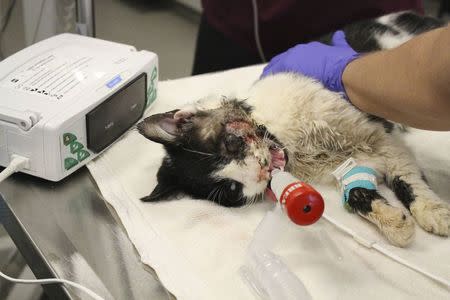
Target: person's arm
point(409, 84)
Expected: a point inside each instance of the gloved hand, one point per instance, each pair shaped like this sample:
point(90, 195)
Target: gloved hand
point(322, 62)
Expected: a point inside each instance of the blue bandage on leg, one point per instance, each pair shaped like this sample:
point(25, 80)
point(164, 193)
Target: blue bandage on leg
point(359, 177)
point(350, 175)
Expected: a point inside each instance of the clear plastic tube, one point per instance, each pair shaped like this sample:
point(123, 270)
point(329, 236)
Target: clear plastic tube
point(266, 274)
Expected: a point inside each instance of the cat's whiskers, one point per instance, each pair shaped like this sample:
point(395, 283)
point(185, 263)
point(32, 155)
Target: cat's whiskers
point(266, 136)
point(282, 148)
point(221, 192)
point(247, 203)
point(198, 152)
point(240, 199)
point(212, 194)
point(254, 199)
point(205, 157)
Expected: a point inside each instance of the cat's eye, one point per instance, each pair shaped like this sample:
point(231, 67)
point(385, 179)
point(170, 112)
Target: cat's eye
point(274, 147)
point(233, 143)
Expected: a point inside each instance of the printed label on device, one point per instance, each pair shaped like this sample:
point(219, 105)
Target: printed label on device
point(56, 75)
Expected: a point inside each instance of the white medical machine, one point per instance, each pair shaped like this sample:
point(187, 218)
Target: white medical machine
point(67, 98)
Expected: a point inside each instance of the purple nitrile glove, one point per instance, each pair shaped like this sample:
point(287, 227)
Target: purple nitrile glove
point(319, 61)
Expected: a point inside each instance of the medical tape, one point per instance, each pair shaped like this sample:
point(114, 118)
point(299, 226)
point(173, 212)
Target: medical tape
point(350, 176)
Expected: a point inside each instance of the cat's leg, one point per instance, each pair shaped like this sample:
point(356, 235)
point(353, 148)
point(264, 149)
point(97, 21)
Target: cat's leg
point(393, 223)
point(405, 179)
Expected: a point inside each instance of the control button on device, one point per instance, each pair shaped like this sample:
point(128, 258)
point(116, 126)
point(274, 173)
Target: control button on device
point(75, 147)
point(82, 155)
point(114, 81)
point(68, 138)
point(69, 162)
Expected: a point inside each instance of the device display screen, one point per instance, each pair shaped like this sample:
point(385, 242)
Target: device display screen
point(117, 114)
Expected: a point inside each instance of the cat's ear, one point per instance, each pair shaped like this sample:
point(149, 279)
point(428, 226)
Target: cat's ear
point(164, 128)
point(161, 192)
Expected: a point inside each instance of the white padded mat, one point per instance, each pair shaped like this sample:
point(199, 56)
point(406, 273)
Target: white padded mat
point(196, 247)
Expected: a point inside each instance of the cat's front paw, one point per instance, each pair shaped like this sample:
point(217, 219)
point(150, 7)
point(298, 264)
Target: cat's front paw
point(396, 226)
point(432, 215)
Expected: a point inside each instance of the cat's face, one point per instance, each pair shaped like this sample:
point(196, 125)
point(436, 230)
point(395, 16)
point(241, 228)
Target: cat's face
point(219, 154)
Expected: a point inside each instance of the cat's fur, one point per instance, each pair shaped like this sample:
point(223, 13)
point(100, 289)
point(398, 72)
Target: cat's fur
point(223, 149)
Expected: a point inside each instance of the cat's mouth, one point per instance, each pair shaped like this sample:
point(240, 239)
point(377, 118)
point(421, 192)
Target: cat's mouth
point(278, 160)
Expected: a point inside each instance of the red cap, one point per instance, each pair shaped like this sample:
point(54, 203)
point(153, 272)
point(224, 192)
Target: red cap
point(303, 204)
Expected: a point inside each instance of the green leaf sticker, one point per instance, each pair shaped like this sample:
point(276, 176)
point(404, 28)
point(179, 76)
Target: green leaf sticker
point(69, 163)
point(68, 138)
point(82, 155)
point(151, 92)
point(75, 147)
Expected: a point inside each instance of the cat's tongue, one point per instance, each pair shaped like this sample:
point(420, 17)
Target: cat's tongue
point(278, 160)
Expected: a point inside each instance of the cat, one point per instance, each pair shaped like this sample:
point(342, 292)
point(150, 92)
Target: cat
point(224, 149)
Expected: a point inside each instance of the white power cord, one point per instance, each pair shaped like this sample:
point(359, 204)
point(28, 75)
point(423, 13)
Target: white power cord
point(404, 262)
point(373, 245)
point(18, 163)
point(256, 31)
point(50, 281)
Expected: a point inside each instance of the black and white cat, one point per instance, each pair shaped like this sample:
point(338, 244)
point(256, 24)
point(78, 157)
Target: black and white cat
point(224, 149)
